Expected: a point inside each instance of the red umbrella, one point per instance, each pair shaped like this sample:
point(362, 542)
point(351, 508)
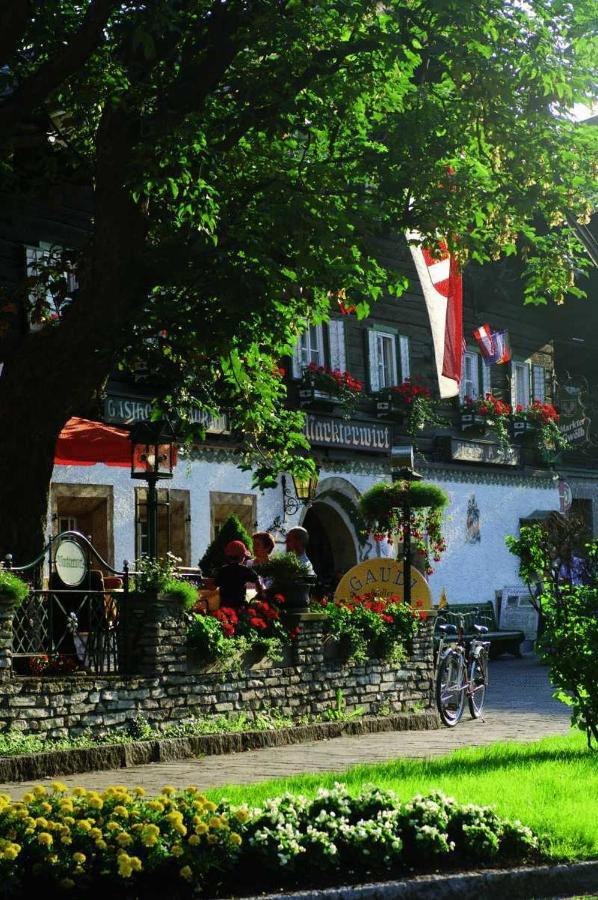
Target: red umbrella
point(85, 443)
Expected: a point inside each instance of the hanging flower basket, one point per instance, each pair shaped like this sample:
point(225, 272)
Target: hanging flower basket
point(537, 428)
point(383, 508)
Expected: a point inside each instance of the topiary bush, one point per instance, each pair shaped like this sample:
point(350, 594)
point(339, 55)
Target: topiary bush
point(232, 530)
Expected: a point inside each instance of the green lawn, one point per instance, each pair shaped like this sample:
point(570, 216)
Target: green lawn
point(550, 785)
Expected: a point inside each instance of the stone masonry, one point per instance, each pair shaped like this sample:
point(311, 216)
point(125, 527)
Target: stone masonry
point(161, 690)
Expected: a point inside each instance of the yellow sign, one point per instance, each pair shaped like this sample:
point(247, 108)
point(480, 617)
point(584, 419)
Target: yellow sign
point(383, 577)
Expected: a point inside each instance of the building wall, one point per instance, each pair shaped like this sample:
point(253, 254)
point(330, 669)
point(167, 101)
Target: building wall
point(469, 571)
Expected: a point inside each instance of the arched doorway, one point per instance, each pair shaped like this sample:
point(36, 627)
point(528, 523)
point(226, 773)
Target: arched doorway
point(331, 543)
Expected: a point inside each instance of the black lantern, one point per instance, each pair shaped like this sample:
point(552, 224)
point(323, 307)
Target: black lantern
point(402, 462)
point(305, 492)
point(153, 458)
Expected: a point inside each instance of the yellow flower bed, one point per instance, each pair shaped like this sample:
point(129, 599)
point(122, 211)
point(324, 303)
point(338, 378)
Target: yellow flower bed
point(72, 839)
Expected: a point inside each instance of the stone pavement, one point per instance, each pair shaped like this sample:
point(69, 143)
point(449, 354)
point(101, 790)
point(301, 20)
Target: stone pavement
point(519, 707)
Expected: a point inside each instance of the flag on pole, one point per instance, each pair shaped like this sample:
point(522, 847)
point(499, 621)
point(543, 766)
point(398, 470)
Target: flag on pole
point(442, 287)
point(483, 338)
point(501, 352)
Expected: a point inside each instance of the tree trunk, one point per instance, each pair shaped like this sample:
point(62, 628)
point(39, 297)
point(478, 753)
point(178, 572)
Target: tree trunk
point(59, 371)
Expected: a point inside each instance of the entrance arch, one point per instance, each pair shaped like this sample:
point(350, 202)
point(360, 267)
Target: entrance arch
point(332, 542)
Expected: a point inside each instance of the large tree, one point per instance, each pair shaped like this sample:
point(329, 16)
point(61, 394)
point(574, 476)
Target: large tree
point(242, 156)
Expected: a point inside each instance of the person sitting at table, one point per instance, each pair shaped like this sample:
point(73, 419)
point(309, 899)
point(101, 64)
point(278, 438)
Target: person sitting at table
point(234, 577)
point(296, 542)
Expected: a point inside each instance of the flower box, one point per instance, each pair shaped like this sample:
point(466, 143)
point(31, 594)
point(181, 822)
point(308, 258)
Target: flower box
point(471, 421)
point(522, 430)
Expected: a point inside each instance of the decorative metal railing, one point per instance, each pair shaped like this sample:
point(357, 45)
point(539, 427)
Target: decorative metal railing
point(63, 629)
point(75, 630)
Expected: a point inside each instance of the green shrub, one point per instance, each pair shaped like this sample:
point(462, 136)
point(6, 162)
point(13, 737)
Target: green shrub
point(372, 626)
point(206, 637)
point(568, 640)
point(184, 590)
point(13, 587)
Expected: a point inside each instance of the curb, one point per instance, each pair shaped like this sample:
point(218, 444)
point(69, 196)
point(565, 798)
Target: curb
point(31, 766)
point(539, 882)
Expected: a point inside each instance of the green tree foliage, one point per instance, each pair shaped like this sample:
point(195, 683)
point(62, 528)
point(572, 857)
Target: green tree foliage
point(242, 157)
point(232, 530)
point(568, 608)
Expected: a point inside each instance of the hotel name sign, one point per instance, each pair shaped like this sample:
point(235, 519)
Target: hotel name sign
point(128, 410)
point(384, 578)
point(325, 431)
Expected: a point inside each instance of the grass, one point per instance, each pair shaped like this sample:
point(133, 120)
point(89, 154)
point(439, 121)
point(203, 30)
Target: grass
point(550, 785)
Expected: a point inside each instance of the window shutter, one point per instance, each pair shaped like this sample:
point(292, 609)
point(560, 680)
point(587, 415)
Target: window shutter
point(404, 356)
point(373, 360)
point(336, 339)
point(539, 383)
point(296, 360)
point(486, 378)
point(318, 333)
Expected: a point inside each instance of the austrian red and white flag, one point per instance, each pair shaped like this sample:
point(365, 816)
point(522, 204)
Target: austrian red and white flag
point(442, 286)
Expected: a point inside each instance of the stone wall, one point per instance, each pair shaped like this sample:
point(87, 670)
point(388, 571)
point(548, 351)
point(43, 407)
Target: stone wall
point(57, 707)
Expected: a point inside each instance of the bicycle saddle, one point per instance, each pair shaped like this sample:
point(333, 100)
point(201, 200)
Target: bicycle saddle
point(480, 629)
point(449, 629)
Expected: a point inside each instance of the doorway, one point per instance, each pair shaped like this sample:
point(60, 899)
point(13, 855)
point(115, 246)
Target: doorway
point(331, 543)
point(87, 508)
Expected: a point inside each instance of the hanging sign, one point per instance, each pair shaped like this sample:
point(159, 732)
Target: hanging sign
point(70, 563)
point(383, 577)
point(573, 422)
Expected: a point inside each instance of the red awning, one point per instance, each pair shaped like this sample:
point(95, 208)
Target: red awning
point(85, 443)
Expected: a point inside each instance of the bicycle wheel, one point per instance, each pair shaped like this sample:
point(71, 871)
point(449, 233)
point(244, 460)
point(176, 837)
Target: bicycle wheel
point(478, 682)
point(450, 696)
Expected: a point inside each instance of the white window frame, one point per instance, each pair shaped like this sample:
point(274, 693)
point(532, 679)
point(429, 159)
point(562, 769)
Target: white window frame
point(382, 375)
point(310, 348)
point(473, 358)
point(520, 398)
point(336, 345)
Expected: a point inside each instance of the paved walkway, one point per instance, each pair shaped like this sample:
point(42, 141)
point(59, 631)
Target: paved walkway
point(519, 707)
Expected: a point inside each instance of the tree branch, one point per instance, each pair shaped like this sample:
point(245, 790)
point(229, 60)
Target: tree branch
point(51, 74)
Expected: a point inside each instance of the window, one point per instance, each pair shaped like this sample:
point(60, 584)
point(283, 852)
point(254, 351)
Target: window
point(470, 382)
point(520, 384)
point(174, 533)
point(224, 504)
point(310, 349)
point(539, 383)
point(383, 359)
point(87, 508)
point(52, 284)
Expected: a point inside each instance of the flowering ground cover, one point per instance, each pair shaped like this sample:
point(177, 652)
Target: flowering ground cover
point(551, 785)
point(182, 844)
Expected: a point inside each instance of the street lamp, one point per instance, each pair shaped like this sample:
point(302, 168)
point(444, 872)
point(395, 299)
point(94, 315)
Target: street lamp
point(401, 464)
point(153, 457)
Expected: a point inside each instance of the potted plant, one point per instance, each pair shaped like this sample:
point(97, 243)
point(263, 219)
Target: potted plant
point(409, 403)
point(383, 508)
point(330, 386)
point(487, 413)
point(290, 578)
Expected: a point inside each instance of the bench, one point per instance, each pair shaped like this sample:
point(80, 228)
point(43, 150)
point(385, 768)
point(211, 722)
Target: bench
point(478, 614)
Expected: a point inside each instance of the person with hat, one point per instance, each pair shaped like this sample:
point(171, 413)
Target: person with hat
point(234, 577)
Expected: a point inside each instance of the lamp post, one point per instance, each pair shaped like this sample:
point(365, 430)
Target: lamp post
point(153, 457)
point(401, 463)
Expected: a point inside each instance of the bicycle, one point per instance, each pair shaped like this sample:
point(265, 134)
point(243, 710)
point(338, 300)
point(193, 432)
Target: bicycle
point(462, 671)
